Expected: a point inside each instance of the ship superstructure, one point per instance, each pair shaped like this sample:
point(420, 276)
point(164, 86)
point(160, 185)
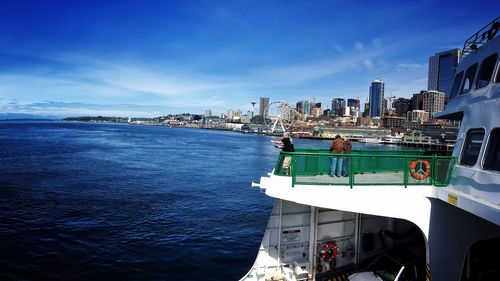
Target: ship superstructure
point(433, 217)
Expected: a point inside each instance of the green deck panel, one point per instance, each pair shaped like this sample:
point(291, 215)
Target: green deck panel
point(368, 167)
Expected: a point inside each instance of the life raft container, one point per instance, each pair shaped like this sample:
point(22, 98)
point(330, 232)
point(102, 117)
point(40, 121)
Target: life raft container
point(329, 251)
point(421, 173)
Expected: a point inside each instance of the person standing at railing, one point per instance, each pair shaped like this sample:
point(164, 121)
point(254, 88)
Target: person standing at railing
point(286, 145)
point(336, 147)
point(347, 160)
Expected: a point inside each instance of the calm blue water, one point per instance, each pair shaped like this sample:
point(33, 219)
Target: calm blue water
point(82, 201)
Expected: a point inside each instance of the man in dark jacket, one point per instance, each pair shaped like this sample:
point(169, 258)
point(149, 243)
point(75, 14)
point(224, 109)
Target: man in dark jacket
point(286, 145)
point(336, 147)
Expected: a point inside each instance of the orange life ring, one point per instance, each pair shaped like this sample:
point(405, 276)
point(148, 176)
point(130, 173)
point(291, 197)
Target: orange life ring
point(329, 251)
point(420, 174)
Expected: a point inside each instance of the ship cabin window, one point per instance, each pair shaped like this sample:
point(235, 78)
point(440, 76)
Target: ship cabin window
point(497, 79)
point(456, 84)
point(469, 77)
point(492, 155)
point(472, 146)
point(486, 71)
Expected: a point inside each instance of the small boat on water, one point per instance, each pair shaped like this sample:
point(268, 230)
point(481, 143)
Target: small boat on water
point(372, 140)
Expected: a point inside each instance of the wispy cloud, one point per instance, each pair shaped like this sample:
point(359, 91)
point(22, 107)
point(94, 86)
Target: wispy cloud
point(368, 64)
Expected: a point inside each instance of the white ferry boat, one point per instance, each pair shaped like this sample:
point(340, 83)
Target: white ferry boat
point(390, 139)
point(399, 215)
point(372, 140)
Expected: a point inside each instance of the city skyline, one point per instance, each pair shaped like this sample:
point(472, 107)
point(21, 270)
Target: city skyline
point(131, 59)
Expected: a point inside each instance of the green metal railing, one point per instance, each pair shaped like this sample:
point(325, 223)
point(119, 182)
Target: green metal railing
point(366, 167)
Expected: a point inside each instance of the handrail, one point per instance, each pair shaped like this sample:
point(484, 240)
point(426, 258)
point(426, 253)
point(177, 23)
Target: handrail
point(480, 38)
point(366, 167)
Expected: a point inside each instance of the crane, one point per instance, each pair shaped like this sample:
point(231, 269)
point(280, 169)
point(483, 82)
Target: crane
point(389, 99)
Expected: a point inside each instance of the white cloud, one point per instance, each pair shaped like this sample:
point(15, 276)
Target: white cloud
point(406, 66)
point(359, 46)
point(368, 64)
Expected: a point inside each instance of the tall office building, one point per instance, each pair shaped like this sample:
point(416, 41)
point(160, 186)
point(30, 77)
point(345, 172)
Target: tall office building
point(432, 102)
point(428, 101)
point(233, 114)
point(366, 111)
point(338, 107)
point(442, 68)
point(401, 106)
point(208, 112)
point(377, 98)
point(305, 107)
point(354, 107)
point(264, 102)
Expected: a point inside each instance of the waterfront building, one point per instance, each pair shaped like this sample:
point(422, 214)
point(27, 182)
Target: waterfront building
point(208, 113)
point(416, 118)
point(316, 112)
point(338, 107)
point(442, 70)
point(377, 98)
point(394, 122)
point(233, 115)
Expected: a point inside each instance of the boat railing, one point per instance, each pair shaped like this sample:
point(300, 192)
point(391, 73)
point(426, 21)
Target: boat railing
point(481, 37)
point(366, 167)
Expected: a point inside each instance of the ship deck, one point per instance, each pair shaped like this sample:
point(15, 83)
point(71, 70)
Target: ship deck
point(366, 167)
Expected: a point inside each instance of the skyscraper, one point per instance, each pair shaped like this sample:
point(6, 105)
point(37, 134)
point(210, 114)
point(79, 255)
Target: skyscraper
point(442, 71)
point(354, 107)
point(377, 98)
point(305, 107)
point(338, 107)
point(264, 102)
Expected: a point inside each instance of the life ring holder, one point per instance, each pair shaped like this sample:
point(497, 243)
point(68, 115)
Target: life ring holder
point(329, 251)
point(420, 173)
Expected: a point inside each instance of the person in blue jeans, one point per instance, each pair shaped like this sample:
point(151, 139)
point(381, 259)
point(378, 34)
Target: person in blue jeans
point(347, 160)
point(337, 147)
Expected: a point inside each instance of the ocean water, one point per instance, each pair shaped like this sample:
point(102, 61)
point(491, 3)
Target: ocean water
point(82, 201)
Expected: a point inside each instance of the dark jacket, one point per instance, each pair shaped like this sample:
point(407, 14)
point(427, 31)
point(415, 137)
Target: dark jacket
point(347, 147)
point(287, 145)
point(337, 145)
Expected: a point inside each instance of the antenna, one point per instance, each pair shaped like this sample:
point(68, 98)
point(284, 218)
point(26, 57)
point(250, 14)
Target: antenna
point(253, 107)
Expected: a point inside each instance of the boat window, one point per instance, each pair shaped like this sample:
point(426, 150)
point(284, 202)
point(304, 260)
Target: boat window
point(486, 71)
point(456, 84)
point(492, 156)
point(469, 77)
point(497, 79)
point(472, 146)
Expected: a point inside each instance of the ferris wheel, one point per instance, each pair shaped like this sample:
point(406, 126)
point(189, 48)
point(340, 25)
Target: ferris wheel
point(279, 116)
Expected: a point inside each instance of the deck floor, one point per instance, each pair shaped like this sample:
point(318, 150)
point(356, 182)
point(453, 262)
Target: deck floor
point(389, 178)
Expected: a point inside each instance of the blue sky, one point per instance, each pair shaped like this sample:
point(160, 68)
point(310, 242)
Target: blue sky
point(151, 58)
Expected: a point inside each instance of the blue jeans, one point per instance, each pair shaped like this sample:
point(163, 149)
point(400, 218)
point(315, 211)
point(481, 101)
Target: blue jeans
point(346, 170)
point(336, 166)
